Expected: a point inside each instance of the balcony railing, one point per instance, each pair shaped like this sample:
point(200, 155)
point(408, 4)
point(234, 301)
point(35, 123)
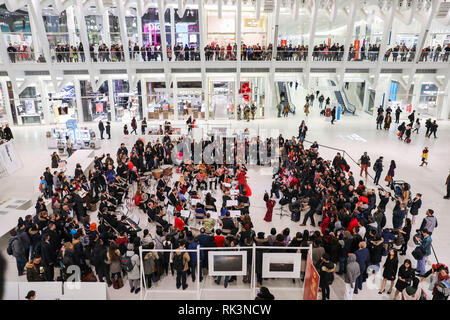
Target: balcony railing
point(225, 55)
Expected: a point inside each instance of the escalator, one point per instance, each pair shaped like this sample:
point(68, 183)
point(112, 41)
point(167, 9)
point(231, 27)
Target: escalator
point(342, 100)
point(284, 96)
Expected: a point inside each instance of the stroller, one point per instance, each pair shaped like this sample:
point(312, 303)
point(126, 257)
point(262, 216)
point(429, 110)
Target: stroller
point(397, 186)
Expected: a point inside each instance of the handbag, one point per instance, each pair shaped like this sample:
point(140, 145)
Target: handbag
point(418, 253)
point(399, 134)
point(388, 178)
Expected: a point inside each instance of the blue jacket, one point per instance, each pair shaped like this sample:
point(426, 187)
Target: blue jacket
point(193, 255)
point(426, 245)
point(363, 258)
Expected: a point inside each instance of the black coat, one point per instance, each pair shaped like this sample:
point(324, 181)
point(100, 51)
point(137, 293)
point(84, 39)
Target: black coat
point(390, 268)
point(415, 206)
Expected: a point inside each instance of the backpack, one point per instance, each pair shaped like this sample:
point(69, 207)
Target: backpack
point(127, 264)
point(418, 253)
point(178, 262)
point(9, 250)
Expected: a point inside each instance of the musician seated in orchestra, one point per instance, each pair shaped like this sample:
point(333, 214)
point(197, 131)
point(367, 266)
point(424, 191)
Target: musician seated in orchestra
point(173, 197)
point(200, 211)
point(159, 219)
point(209, 223)
point(150, 210)
point(122, 171)
point(133, 175)
point(138, 201)
point(210, 202)
point(179, 223)
point(201, 180)
point(123, 225)
point(228, 223)
point(160, 194)
point(115, 192)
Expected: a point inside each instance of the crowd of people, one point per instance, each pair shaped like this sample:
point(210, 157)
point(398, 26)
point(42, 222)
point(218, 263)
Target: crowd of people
point(405, 130)
point(5, 133)
point(354, 236)
point(351, 239)
point(214, 51)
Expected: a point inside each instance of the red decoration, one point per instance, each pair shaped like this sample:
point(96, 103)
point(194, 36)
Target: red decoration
point(245, 90)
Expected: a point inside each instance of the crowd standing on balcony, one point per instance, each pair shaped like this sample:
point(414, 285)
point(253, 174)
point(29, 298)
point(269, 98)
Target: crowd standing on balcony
point(214, 51)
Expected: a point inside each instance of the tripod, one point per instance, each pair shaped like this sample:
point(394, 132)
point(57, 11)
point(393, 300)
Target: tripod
point(282, 213)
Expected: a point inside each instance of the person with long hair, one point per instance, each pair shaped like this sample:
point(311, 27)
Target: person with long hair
point(390, 271)
point(406, 231)
point(405, 276)
point(115, 266)
point(390, 174)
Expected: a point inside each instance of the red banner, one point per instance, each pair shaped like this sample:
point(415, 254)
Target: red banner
point(99, 107)
point(311, 281)
point(409, 108)
point(284, 43)
point(329, 43)
point(356, 49)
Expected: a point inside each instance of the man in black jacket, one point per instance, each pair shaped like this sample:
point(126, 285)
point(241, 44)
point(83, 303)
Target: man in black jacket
point(101, 127)
point(48, 257)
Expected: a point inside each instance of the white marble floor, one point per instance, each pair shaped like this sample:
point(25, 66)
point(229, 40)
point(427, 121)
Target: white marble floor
point(355, 134)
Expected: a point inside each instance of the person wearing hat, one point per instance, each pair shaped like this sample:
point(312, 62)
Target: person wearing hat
point(134, 274)
point(326, 269)
point(412, 292)
point(264, 294)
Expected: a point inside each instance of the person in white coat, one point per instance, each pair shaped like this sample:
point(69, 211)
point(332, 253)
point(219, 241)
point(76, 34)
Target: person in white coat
point(134, 274)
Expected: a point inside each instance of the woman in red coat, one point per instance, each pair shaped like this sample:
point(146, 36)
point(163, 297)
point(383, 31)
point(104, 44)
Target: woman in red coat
point(270, 203)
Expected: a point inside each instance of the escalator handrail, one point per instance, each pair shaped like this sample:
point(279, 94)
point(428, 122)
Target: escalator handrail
point(350, 106)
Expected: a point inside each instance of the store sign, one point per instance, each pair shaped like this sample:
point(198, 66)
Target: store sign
point(253, 23)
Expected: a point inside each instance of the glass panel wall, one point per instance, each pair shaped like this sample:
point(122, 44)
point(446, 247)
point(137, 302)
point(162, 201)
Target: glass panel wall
point(187, 35)
point(62, 105)
point(95, 105)
point(127, 102)
point(151, 33)
point(293, 37)
point(29, 107)
point(16, 29)
point(221, 99)
point(221, 32)
point(3, 96)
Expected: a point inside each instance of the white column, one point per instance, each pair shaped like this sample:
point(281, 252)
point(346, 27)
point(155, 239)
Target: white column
point(275, 33)
point(123, 31)
point(175, 97)
point(106, 38)
point(312, 33)
point(45, 104)
point(34, 36)
point(203, 34)
point(71, 26)
point(76, 83)
point(139, 13)
point(270, 109)
point(144, 97)
point(172, 31)
point(7, 102)
point(416, 92)
point(238, 31)
point(236, 93)
point(366, 96)
point(112, 104)
point(444, 110)
point(162, 23)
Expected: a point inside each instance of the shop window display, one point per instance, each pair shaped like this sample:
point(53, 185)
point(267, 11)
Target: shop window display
point(29, 107)
point(55, 26)
point(126, 101)
point(62, 104)
point(190, 102)
point(95, 105)
point(221, 104)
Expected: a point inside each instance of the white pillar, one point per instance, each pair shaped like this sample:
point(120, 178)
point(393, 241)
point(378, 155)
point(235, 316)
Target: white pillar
point(76, 83)
point(112, 104)
point(444, 110)
point(175, 97)
point(7, 102)
point(275, 32)
point(139, 13)
point(34, 36)
point(71, 26)
point(144, 97)
point(45, 104)
point(366, 96)
point(162, 23)
point(106, 39)
point(172, 31)
point(416, 92)
point(238, 31)
point(123, 31)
